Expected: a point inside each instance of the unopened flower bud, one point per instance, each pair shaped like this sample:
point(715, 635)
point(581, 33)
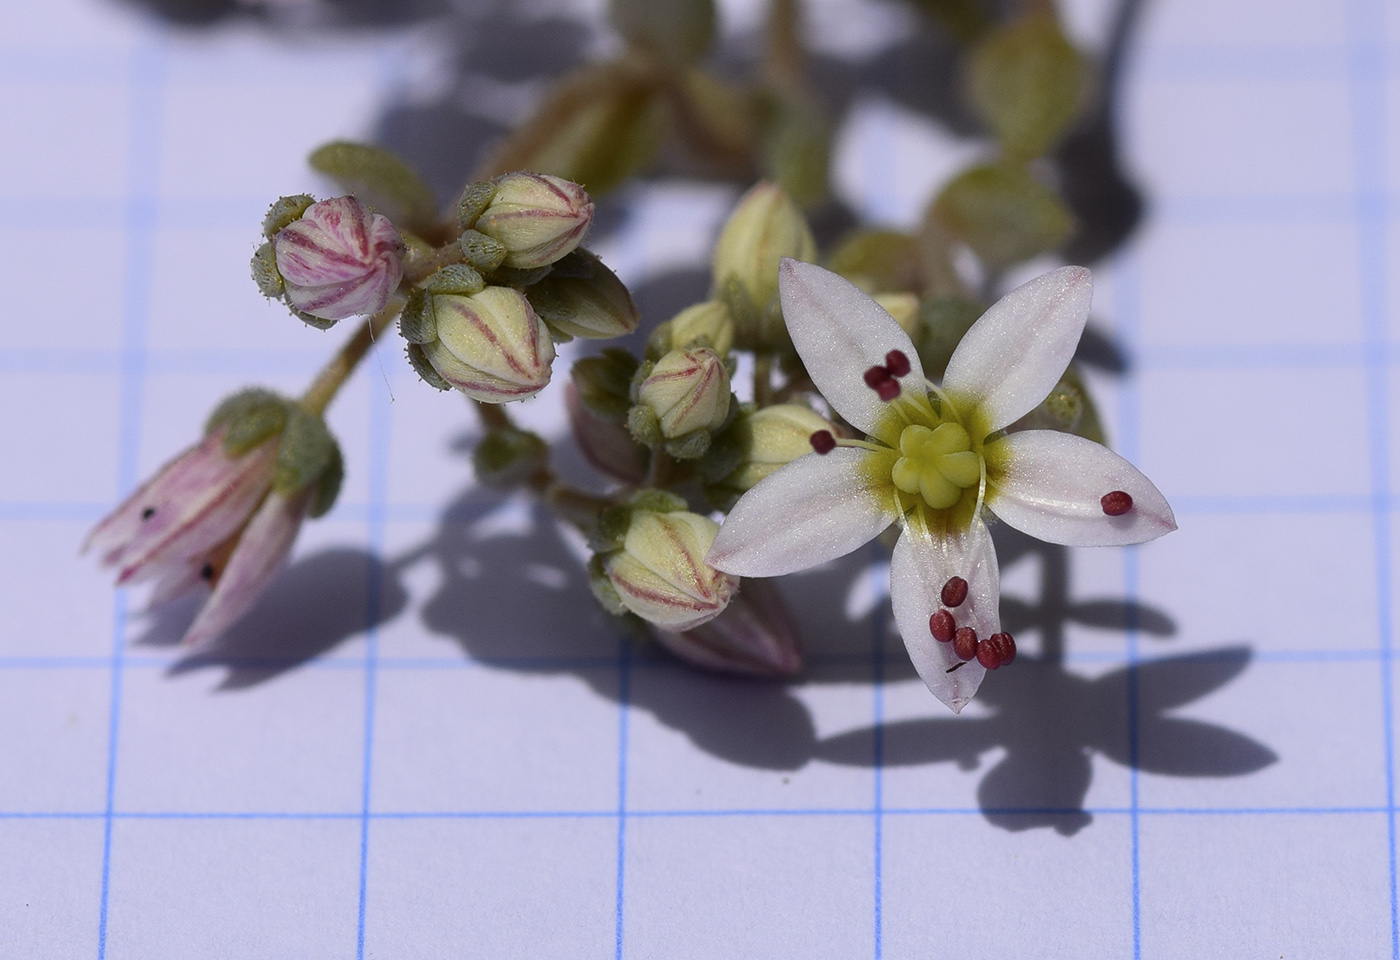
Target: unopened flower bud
point(707, 324)
point(490, 345)
point(687, 390)
point(904, 307)
point(339, 260)
point(765, 227)
point(754, 636)
point(660, 573)
point(581, 297)
point(759, 442)
point(603, 440)
point(538, 218)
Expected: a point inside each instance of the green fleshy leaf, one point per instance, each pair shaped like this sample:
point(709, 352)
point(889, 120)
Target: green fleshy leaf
point(1028, 82)
point(380, 178)
point(679, 32)
point(1003, 213)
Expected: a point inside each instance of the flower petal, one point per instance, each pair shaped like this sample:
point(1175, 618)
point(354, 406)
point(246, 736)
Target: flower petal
point(815, 509)
point(1015, 354)
point(259, 555)
point(922, 563)
point(1049, 485)
point(840, 333)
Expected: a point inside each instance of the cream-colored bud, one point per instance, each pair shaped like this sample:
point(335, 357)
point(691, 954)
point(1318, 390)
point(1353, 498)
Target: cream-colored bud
point(769, 438)
point(538, 218)
point(660, 573)
point(581, 297)
point(707, 324)
point(764, 228)
point(490, 345)
point(688, 390)
point(904, 307)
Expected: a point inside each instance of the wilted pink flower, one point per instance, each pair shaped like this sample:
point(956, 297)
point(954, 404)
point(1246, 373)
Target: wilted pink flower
point(339, 259)
point(205, 517)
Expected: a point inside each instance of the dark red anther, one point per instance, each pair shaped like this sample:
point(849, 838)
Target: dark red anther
point(1005, 646)
point(823, 441)
point(965, 643)
point(1117, 503)
point(206, 572)
point(875, 376)
point(987, 654)
point(897, 363)
point(942, 627)
point(888, 389)
point(954, 592)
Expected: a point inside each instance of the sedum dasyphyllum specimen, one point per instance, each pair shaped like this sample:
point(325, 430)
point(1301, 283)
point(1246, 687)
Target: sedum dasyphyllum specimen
point(832, 435)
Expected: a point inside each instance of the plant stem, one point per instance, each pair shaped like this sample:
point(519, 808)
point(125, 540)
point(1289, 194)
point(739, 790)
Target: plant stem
point(334, 374)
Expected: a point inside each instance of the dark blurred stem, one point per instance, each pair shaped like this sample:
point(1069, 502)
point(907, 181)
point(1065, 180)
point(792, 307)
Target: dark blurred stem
point(763, 379)
point(785, 60)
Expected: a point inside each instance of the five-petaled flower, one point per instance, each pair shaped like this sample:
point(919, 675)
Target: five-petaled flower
point(935, 457)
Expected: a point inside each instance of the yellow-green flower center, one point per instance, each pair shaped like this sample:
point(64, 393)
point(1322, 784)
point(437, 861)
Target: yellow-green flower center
point(936, 463)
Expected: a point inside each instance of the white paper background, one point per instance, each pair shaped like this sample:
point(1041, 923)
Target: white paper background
point(490, 771)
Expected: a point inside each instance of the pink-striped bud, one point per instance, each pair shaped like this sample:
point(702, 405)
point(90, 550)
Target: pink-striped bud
point(490, 345)
point(538, 218)
point(339, 260)
point(660, 574)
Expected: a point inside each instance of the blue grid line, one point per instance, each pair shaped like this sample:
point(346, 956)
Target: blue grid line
point(1366, 22)
point(1127, 307)
point(146, 80)
point(718, 812)
point(380, 422)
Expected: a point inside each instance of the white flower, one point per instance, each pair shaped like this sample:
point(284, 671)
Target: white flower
point(934, 459)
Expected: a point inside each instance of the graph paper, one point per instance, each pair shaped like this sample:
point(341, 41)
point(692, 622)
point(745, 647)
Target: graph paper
point(427, 741)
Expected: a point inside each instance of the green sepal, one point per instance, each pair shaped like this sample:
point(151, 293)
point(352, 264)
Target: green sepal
point(380, 178)
point(305, 451)
point(484, 253)
point(418, 322)
point(610, 529)
point(603, 590)
point(474, 201)
point(249, 417)
point(604, 382)
point(657, 501)
point(644, 425)
point(1028, 82)
point(727, 452)
point(507, 457)
point(1003, 213)
point(285, 210)
point(455, 278)
point(328, 484)
point(689, 446)
point(320, 323)
point(265, 272)
point(520, 276)
point(419, 361)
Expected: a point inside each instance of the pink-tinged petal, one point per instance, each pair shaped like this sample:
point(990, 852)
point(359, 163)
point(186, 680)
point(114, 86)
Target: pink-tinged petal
point(194, 503)
point(840, 333)
point(754, 636)
point(1051, 485)
point(921, 565)
point(814, 509)
point(339, 259)
point(1017, 351)
point(261, 551)
point(175, 581)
